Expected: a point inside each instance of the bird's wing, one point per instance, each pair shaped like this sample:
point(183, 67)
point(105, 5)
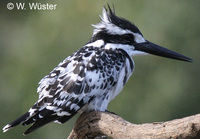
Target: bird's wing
point(72, 84)
point(78, 78)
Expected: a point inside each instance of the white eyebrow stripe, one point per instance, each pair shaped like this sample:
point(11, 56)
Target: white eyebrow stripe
point(138, 38)
point(110, 28)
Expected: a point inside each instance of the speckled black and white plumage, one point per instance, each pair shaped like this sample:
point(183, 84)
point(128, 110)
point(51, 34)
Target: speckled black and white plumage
point(88, 79)
point(91, 77)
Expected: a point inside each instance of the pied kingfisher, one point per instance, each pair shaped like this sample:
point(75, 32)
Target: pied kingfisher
point(92, 76)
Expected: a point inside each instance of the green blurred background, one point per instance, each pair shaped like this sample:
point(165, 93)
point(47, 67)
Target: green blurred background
point(32, 43)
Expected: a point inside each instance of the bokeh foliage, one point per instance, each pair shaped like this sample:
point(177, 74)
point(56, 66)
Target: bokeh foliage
point(32, 43)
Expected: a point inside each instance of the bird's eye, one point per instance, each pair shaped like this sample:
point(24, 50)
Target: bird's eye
point(129, 37)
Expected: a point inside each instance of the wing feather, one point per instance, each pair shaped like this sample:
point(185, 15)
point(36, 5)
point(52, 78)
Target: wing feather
point(81, 78)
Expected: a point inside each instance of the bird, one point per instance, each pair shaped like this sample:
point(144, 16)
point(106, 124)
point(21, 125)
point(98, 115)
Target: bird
point(93, 75)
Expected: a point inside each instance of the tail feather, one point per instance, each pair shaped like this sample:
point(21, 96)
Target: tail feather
point(49, 118)
point(38, 116)
point(41, 122)
point(17, 122)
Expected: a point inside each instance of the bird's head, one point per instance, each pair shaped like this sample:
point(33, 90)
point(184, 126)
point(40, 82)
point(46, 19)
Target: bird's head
point(119, 33)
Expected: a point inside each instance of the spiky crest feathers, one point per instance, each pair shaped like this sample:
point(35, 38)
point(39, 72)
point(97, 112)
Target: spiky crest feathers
point(114, 24)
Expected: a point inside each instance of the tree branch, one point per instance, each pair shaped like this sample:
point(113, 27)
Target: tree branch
point(95, 123)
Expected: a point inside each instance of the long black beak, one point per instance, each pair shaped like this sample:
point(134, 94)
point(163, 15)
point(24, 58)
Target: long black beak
point(154, 49)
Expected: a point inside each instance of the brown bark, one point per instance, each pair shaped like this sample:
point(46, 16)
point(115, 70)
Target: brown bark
point(92, 124)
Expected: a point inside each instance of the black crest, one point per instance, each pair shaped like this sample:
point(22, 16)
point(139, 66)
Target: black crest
point(119, 21)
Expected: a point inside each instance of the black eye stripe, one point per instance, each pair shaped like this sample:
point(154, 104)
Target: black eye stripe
point(128, 37)
point(114, 38)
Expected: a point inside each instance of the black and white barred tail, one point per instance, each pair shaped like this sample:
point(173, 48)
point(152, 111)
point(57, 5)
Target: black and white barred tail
point(38, 118)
